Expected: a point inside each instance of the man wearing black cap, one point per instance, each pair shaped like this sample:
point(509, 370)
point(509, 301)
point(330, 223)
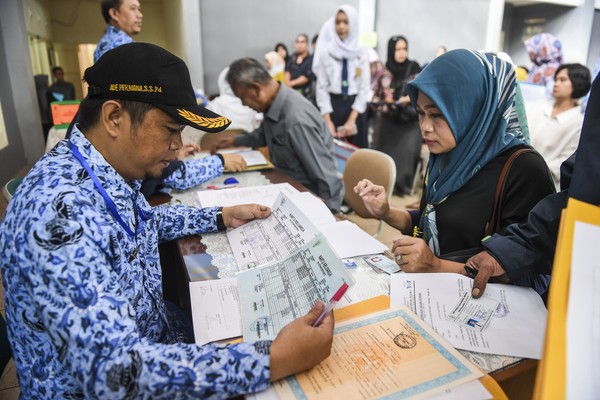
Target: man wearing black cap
point(79, 257)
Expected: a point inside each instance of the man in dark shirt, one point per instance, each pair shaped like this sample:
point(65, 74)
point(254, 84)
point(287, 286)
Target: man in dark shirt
point(298, 140)
point(298, 71)
point(527, 250)
point(60, 90)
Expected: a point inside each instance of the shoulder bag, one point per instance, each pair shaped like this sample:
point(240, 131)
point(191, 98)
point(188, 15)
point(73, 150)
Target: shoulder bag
point(493, 224)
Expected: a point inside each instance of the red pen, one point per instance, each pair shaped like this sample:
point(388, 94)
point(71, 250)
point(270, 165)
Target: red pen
point(336, 297)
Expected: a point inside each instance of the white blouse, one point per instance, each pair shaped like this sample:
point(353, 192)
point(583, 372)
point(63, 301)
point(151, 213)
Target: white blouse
point(555, 138)
point(329, 81)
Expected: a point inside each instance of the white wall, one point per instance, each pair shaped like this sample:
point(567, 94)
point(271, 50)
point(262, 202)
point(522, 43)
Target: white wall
point(594, 51)
point(427, 24)
point(232, 29)
point(192, 41)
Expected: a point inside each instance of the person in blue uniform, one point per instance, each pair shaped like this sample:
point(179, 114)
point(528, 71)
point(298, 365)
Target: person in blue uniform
point(79, 254)
point(123, 20)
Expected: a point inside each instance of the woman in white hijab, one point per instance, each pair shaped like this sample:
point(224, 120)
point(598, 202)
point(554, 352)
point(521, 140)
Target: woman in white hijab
point(275, 64)
point(230, 106)
point(343, 77)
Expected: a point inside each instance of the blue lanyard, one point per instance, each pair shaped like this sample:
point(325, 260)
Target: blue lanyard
point(111, 205)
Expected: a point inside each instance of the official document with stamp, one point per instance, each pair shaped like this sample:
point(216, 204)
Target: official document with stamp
point(516, 327)
point(392, 354)
point(474, 313)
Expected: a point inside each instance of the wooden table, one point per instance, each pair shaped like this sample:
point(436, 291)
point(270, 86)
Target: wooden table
point(516, 380)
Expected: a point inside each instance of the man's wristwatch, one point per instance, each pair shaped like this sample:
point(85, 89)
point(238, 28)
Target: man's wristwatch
point(220, 221)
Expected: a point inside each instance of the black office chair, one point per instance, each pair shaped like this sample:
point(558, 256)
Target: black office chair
point(5, 350)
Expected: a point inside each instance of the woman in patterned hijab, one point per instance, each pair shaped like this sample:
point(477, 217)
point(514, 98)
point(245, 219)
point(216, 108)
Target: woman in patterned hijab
point(466, 105)
point(545, 51)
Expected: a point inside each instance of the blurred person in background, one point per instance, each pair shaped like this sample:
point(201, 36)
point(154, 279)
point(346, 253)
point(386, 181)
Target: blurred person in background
point(555, 124)
point(123, 19)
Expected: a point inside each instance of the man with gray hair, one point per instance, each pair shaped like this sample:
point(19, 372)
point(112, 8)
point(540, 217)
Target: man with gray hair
point(293, 129)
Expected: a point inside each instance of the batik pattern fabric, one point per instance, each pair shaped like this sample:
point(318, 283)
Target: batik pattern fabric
point(195, 172)
point(475, 92)
point(547, 54)
point(113, 37)
point(84, 301)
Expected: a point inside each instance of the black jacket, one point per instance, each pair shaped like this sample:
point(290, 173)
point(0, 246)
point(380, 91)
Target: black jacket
point(526, 250)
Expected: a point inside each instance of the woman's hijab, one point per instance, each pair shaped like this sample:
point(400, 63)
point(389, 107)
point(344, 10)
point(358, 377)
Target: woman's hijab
point(475, 92)
point(227, 104)
point(276, 66)
point(547, 51)
point(400, 71)
point(330, 42)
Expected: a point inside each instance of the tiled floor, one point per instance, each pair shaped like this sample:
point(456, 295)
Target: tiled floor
point(9, 386)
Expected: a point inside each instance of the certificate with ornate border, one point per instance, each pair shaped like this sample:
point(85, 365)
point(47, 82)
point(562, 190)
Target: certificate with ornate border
point(391, 354)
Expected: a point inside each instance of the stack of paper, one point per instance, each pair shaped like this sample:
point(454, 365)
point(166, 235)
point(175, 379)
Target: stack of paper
point(254, 158)
point(261, 301)
point(265, 195)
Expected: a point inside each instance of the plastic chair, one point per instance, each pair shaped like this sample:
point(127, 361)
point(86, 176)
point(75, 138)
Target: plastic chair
point(421, 170)
point(11, 187)
point(5, 350)
point(375, 166)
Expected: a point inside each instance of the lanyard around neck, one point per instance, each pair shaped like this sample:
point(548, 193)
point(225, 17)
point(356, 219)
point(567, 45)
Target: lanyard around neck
point(111, 205)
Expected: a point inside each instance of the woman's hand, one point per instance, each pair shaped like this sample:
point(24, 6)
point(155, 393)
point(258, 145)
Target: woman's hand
point(348, 129)
point(374, 197)
point(413, 255)
point(403, 101)
point(330, 125)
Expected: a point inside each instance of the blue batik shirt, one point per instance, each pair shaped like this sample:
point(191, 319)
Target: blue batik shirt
point(113, 37)
point(84, 302)
point(195, 172)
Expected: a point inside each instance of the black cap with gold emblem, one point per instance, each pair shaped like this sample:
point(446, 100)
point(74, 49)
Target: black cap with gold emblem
point(149, 74)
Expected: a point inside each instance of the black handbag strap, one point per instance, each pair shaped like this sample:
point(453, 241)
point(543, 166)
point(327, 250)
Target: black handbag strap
point(494, 222)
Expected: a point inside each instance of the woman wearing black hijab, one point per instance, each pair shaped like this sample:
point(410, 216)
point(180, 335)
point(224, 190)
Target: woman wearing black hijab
point(398, 133)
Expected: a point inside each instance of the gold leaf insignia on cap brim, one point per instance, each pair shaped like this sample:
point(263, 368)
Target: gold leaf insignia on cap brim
point(210, 123)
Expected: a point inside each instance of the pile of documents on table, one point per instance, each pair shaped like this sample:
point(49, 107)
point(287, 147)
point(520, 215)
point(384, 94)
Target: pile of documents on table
point(294, 257)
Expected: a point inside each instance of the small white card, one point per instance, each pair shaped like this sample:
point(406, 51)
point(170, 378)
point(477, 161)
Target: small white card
point(383, 263)
point(474, 313)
